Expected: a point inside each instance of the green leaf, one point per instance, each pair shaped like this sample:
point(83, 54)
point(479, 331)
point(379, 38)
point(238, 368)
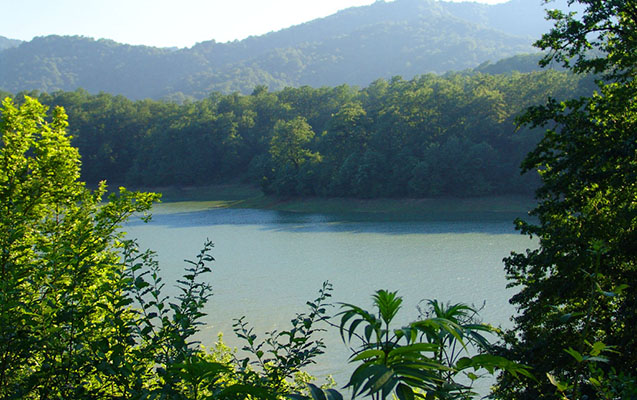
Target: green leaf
point(404, 392)
point(333, 394)
point(414, 348)
point(597, 359)
point(597, 348)
point(316, 392)
point(575, 354)
point(561, 386)
point(369, 354)
point(388, 304)
point(568, 316)
point(377, 381)
point(464, 362)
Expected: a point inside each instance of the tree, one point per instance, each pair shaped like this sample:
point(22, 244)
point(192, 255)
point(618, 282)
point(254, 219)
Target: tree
point(63, 314)
point(287, 146)
point(600, 39)
point(573, 286)
point(346, 133)
point(288, 149)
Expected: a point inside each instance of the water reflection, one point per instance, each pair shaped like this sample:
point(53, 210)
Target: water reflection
point(395, 224)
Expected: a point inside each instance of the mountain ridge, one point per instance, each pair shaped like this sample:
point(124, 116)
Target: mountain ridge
point(353, 46)
point(7, 43)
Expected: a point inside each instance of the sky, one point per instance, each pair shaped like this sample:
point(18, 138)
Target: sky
point(163, 23)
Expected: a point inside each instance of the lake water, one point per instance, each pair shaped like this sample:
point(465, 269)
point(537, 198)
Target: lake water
point(269, 263)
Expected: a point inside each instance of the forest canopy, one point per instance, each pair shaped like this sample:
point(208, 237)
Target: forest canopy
point(428, 136)
point(577, 296)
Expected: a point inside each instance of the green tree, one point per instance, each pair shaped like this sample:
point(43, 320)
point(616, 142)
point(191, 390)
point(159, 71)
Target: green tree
point(370, 176)
point(570, 292)
point(600, 39)
point(288, 144)
point(289, 152)
point(347, 133)
point(60, 280)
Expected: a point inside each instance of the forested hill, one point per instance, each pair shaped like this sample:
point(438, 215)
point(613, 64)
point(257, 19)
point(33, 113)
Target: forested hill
point(6, 43)
point(354, 46)
point(451, 135)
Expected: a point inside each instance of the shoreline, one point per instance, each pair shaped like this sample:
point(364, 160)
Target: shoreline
point(241, 196)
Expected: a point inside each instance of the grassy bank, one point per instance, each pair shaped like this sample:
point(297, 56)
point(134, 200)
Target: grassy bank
point(245, 196)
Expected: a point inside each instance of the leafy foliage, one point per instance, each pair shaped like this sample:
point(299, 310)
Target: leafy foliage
point(82, 309)
point(422, 359)
point(430, 136)
point(282, 355)
point(599, 39)
point(579, 284)
point(63, 312)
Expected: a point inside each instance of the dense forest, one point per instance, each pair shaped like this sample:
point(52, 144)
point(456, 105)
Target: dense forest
point(428, 136)
point(355, 46)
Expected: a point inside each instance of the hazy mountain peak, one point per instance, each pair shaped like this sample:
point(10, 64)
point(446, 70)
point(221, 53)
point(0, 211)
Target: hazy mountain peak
point(6, 43)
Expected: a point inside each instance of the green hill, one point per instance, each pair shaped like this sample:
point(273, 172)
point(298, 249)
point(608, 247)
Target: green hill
point(355, 46)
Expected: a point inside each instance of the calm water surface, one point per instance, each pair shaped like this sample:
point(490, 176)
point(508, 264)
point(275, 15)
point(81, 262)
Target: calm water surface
point(269, 263)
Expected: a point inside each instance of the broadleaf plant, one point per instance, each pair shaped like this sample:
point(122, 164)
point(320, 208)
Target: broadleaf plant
point(422, 359)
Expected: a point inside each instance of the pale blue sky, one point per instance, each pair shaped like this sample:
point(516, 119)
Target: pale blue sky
point(162, 23)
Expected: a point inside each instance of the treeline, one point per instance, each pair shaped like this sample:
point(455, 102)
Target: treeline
point(429, 136)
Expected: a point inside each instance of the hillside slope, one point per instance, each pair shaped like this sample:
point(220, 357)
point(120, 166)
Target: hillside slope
point(354, 46)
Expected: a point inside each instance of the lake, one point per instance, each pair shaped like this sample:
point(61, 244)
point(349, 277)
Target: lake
point(269, 263)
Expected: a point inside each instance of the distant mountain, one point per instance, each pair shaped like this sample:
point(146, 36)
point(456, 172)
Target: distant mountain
point(355, 46)
point(519, 63)
point(523, 18)
point(6, 43)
